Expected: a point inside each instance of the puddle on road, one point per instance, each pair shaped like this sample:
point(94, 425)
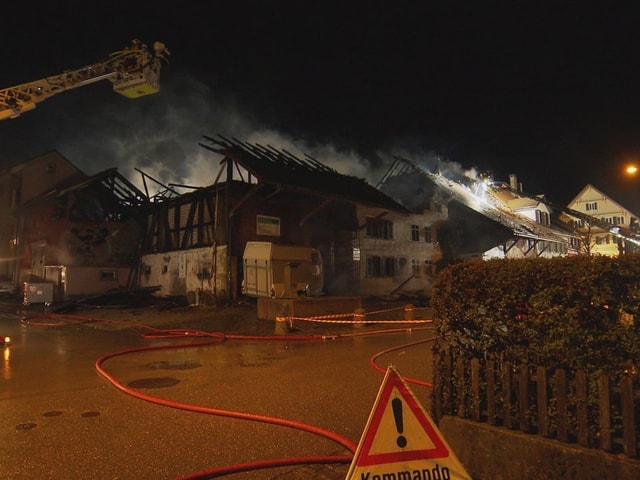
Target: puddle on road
point(52, 413)
point(159, 382)
point(258, 357)
point(26, 426)
point(172, 365)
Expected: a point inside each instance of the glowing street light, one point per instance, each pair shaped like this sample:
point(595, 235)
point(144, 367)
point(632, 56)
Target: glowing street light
point(631, 169)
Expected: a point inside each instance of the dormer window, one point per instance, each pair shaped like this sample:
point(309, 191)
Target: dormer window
point(542, 218)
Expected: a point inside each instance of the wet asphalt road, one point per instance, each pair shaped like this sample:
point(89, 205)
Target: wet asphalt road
point(60, 419)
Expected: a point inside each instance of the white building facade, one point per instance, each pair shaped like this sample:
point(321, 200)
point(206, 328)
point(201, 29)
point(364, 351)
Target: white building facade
point(600, 236)
point(396, 252)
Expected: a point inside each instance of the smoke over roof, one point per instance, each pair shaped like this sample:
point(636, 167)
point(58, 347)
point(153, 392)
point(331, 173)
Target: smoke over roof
point(160, 134)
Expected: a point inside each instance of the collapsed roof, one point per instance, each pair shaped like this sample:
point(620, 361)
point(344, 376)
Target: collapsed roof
point(282, 169)
point(113, 189)
point(111, 181)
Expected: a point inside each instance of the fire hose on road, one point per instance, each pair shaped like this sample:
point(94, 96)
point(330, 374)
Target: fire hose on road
point(208, 338)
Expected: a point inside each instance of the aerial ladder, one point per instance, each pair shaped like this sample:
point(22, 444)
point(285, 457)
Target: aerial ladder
point(133, 71)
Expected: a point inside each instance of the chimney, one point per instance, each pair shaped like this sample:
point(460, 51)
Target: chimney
point(513, 183)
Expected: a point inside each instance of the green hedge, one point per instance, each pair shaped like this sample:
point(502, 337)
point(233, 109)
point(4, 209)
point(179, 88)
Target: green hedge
point(577, 313)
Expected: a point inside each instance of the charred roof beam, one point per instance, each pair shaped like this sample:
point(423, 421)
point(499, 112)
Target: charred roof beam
point(314, 211)
point(251, 193)
point(283, 169)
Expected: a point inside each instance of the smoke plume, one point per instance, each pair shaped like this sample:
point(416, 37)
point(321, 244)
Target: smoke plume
point(160, 135)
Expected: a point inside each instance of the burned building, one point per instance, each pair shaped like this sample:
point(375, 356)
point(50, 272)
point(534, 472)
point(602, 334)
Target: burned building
point(62, 227)
point(194, 242)
point(19, 184)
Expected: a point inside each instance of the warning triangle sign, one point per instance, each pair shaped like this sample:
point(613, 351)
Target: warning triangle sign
point(401, 438)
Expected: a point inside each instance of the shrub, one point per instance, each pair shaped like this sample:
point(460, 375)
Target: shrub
point(577, 313)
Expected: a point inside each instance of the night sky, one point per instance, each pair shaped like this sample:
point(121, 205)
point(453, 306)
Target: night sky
point(548, 91)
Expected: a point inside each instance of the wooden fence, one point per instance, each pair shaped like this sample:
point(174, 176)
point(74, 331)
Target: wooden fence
point(591, 411)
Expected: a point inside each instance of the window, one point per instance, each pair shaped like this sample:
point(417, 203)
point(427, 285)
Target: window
point(15, 197)
point(415, 266)
point(373, 266)
point(379, 228)
point(427, 235)
point(390, 267)
point(108, 275)
point(542, 217)
point(428, 266)
point(415, 233)
point(591, 206)
point(355, 242)
point(381, 266)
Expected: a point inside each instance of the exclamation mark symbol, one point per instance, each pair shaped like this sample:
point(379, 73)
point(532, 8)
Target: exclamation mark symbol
point(396, 404)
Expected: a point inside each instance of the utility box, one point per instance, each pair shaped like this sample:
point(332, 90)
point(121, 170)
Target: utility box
point(273, 270)
point(37, 293)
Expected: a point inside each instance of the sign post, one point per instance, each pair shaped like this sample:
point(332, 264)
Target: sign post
point(401, 441)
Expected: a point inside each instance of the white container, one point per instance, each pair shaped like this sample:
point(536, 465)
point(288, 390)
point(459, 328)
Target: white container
point(282, 271)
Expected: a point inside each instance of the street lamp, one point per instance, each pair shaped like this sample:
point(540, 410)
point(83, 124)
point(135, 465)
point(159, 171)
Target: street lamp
point(631, 169)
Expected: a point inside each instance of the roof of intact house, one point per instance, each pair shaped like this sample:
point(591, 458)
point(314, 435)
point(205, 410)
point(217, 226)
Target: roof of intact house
point(281, 168)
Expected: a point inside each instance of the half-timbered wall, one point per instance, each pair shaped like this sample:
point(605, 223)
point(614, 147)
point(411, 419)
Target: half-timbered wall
point(186, 222)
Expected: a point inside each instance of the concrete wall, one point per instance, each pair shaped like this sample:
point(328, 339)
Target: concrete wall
point(492, 453)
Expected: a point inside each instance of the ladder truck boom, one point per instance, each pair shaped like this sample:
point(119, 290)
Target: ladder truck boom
point(133, 71)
